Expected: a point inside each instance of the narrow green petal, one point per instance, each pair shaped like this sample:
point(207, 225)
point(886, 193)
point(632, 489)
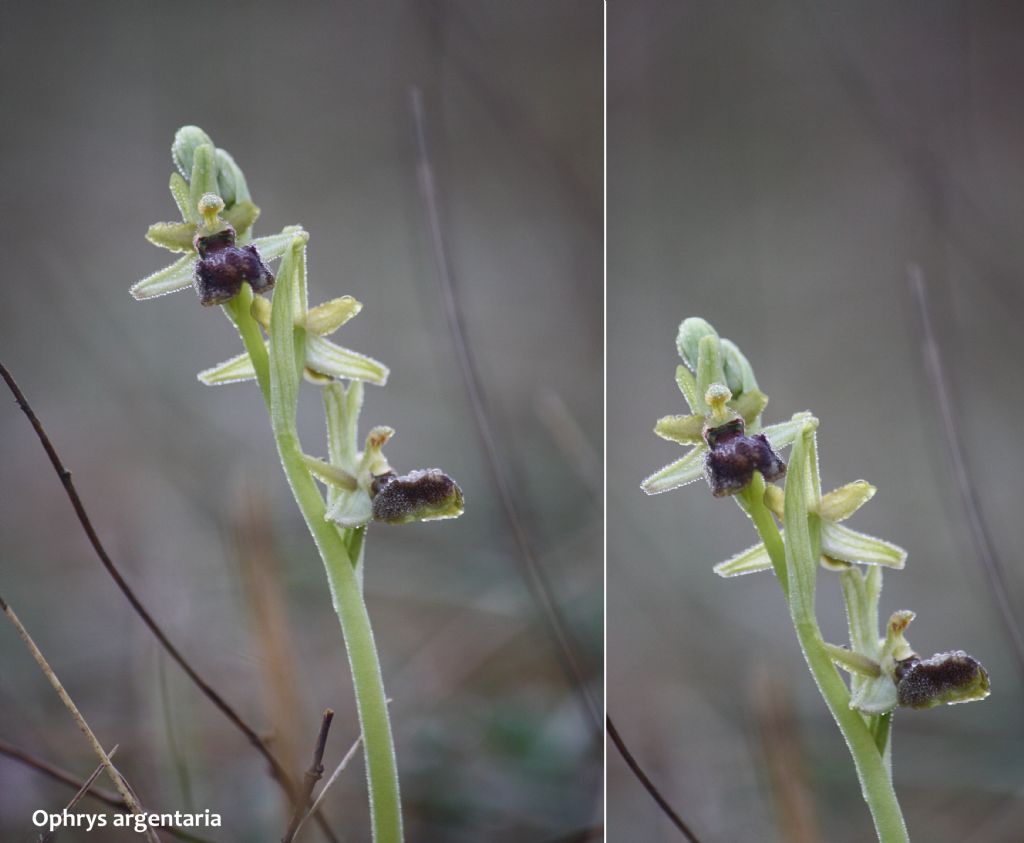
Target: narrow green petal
point(688, 386)
point(274, 246)
point(179, 190)
point(841, 503)
point(750, 561)
point(325, 357)
point(170, 279)
point(236, 369)
point(686, 430)
point(851, 546)
point(783, 434)
point(341, 410)
point(326, 318)
point(679, 473)
point(175, 236)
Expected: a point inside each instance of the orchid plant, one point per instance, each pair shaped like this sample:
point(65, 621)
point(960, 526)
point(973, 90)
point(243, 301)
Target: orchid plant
point(800, 531)
point(285, 341)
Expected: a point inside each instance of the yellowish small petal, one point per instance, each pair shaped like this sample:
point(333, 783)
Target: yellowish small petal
point(326, 318)
point(841, 503)
point(682, 429)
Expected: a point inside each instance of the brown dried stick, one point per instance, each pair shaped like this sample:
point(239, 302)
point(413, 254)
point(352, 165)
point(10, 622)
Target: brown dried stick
point(278, 771)
point(64, 777)
point(313, 775)
point(119, 783)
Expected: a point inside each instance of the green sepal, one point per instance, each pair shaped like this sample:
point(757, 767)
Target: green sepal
point(679, 473)
point(326, 358)
point(709, 364)
point(750, 561)
point(175, 236)
point(750, 405)
point(686, 430)
point(242, 216)
point(230, 181)
point(204, 174)
point(739, 374)
point(235, 370)
point(848, 545)
point(170, 279)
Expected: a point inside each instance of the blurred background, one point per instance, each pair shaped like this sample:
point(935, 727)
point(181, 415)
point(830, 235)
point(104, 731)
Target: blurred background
point(773, 167)
point(182, 481)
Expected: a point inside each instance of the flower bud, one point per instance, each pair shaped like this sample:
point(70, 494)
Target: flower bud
point(691, 332)
point(183, 150)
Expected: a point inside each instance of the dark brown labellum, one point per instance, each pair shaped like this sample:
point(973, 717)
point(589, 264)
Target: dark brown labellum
point(223, 267)
point(417, 496)
point(733, 458)
point(944, 678)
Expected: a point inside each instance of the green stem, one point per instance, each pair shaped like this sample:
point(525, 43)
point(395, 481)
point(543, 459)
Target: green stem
point(371, 702)
point(875, 781)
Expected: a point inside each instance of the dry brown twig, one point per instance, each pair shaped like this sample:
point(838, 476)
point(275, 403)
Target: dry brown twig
point(313, 775)
point(48, 836)
point(118, 780)
point(57, 774)
point(278, 771)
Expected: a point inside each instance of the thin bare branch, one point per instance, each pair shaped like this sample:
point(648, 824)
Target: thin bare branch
point(313, 775)
point(57, 774)
point(48, 836)
point(333, 778)
point(278, 771)
point(533, 573)
point(119, 783)
point(656, 794)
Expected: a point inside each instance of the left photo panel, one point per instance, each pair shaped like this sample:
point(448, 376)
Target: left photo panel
point(312, 549)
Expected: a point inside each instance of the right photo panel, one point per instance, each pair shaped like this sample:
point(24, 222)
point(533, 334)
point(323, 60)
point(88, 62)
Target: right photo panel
point(815, 286)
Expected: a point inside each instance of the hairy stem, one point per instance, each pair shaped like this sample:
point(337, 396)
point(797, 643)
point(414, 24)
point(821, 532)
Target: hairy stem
point(875, 779)
point(346, 595)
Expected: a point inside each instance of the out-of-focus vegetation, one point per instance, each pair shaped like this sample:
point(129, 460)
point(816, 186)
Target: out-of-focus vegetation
point(773, 166)
point(181, 480)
